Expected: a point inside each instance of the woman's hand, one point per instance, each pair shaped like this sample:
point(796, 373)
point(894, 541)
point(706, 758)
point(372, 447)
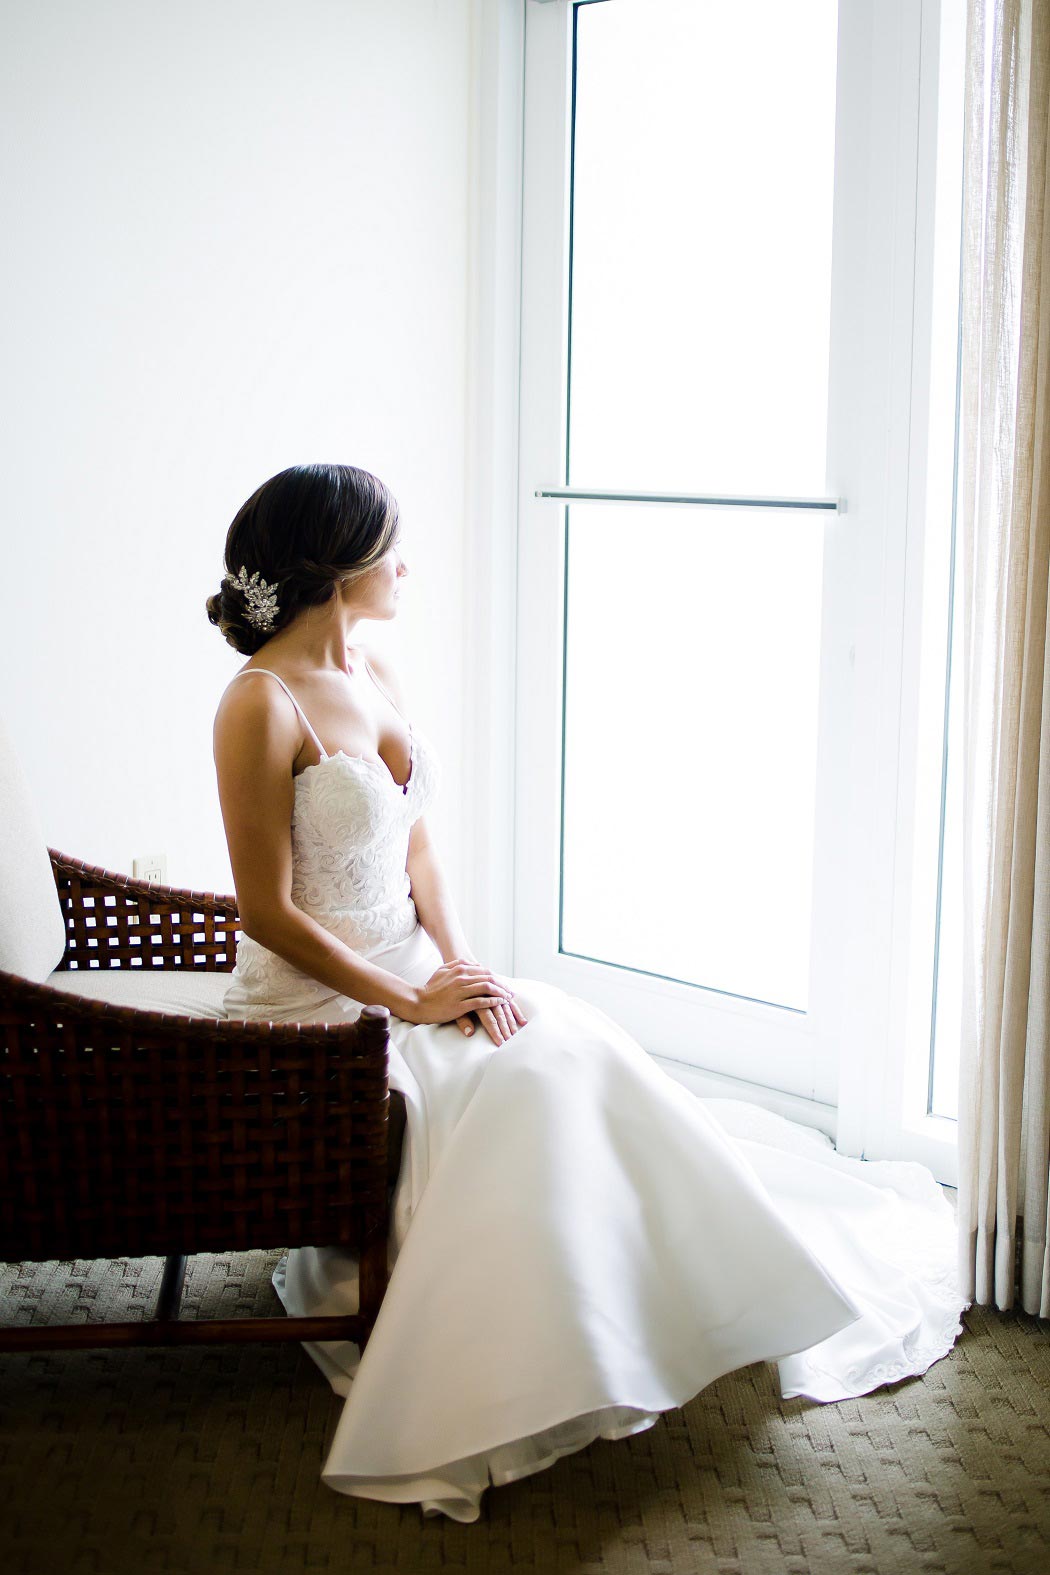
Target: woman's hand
point(499, 1021)
point(455, 990)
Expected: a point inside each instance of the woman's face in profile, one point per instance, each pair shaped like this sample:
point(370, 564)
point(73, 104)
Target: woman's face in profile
point(379, 591)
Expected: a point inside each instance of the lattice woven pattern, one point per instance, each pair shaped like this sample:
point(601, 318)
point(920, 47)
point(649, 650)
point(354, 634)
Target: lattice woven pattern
point(113, 921)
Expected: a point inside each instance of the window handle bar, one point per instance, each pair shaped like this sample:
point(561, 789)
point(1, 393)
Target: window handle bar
point(711, 500)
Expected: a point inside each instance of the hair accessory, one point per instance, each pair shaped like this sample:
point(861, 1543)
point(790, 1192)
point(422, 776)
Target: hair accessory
point(259, 595)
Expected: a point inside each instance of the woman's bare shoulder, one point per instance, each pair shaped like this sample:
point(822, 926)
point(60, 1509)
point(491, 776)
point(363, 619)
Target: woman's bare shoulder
point(255, 707)
point(248, 697)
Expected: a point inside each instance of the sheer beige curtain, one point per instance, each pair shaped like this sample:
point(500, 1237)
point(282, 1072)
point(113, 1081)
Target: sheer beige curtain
point(1004, 512)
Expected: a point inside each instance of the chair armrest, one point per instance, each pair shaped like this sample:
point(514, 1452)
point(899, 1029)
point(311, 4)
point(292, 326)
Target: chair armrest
point(127, 1132)
point(115, 921)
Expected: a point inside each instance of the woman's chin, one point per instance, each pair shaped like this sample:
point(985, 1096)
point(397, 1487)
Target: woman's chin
point(384, 612)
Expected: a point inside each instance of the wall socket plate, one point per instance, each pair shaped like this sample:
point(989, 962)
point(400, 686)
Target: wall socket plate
point(151, 866)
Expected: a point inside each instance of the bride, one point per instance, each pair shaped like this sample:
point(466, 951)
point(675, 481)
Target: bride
point(578, 1243)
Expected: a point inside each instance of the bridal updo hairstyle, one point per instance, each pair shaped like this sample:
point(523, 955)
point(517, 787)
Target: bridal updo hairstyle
point(307, 529)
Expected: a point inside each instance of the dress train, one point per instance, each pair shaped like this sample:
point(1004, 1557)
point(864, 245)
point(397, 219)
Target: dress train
point(592, 1244)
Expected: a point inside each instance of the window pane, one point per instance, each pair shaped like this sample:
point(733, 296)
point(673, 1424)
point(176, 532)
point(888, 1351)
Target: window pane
point(701, 245)
point(691, 718)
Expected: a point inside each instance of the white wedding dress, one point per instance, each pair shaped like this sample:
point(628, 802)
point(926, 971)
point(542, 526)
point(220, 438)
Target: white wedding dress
point(578, 1243)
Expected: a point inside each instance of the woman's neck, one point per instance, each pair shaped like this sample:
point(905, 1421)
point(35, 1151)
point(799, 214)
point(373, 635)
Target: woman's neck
point(318, 638)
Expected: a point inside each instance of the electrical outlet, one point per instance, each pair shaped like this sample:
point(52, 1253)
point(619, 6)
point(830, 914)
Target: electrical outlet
point(151, 866)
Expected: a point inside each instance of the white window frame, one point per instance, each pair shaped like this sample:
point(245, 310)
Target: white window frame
point(884, 1097)
point(855, 1088)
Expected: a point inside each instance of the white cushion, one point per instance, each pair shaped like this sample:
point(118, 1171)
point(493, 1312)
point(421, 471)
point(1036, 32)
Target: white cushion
point(185, 992)
point(32, 929)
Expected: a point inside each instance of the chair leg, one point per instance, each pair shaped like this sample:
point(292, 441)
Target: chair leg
point(170, 1288)
point(372, 1278)
point(165, 1328)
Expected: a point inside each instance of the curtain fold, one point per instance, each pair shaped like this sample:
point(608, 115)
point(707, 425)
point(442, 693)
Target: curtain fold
point(1004, 501)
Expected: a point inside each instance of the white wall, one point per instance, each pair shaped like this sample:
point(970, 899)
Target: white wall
point(237, 237)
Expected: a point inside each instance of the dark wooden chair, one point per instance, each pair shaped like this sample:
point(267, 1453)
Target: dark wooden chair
point(126, 1131)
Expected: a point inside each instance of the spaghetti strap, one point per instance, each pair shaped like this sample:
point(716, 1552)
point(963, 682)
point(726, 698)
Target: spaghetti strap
point(246, 671)
point(383, 689)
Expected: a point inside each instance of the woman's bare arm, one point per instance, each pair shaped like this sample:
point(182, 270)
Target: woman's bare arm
point(438, 916)
point(433, 898)
point(430, 889)
point(433, 901)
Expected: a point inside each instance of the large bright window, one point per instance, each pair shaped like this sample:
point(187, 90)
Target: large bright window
point(735, 534)
point(699, 319)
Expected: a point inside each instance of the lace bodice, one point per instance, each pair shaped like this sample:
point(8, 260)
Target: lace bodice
point(350, 830)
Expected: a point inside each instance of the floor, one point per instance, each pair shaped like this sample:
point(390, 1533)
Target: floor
point(208, 1460)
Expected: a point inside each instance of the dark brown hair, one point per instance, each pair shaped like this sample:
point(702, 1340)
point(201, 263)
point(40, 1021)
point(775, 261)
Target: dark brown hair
point(305, 529)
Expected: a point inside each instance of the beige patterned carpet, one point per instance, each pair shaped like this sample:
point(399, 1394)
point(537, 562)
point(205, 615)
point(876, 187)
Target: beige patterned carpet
point(209, 1460)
